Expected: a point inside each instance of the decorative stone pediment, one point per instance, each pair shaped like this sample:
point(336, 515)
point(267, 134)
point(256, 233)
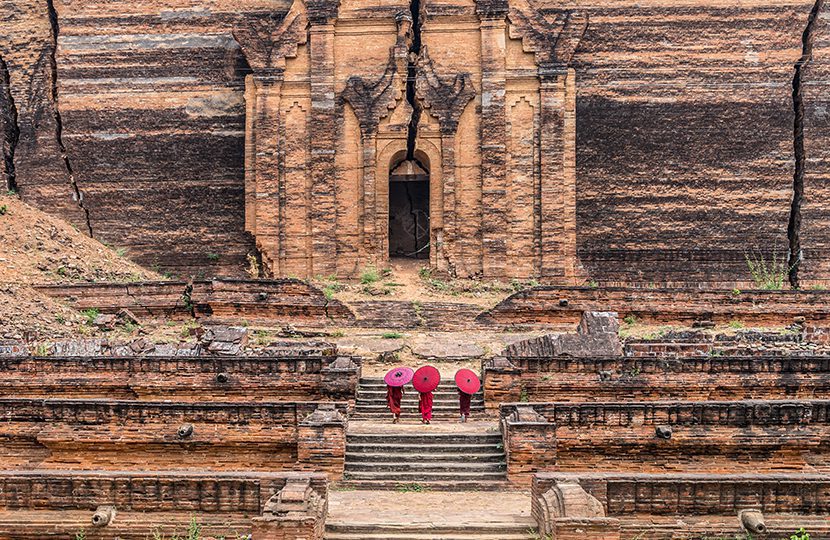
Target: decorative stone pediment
point(268, 41)
point(445, 97)
point(552, 36)
point(373, 101)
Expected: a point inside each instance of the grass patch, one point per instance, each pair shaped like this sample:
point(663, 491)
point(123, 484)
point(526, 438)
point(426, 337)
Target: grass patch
point(412, 487)
point(391, 335)
point(370, 275)
point(769, 275)
point(90, 314)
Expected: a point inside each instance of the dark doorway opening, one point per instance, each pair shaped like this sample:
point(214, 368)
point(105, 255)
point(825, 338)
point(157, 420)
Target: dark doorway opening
point(409, 211)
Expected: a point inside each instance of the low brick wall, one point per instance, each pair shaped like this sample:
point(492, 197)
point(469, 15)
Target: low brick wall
point(135, 435)
point(289, 300)
point(651, 378)
point(557, 305)
point(663, 506)
point(664, 436)
point(35, 505)
point(317, 378)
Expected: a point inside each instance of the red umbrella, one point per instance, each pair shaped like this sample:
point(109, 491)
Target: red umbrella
point(426, 379)
point(467, 381)
point(399, 376)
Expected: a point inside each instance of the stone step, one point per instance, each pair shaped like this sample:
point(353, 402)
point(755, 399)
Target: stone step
point(430, 536)
point(393, 484)
point(422, 477)
point(378, 383)
point(380, 397)
point(413, 407)
point(424, 467)
point(378, 455)
point(413, 449)
point(421, 439)
point(494, 531)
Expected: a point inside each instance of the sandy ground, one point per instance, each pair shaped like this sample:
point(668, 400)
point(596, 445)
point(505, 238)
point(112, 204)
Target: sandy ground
point(36, 248)
point(430, 508)
point(409, 280)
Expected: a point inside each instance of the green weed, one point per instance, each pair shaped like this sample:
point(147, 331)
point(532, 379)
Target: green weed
point(769, 275)
point(369, 276)
point(90, 314)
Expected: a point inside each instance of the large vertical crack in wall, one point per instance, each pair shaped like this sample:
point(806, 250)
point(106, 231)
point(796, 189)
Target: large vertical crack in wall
point(77, 194)
point(11, 130)
point(794, 226)
point(411, 74)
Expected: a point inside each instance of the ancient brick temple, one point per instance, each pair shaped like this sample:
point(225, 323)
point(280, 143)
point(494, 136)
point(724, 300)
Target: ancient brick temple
point(617, 140)
point(371, 134)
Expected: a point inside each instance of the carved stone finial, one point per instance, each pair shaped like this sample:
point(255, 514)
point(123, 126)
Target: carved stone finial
point(403, 21)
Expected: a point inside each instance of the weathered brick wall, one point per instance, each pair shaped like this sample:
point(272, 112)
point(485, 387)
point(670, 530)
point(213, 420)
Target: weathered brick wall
point(814, 210)
point(663, 139)
point(151, 96)
point(675, 180)
point(181, 378)
point(130, 435)
point(660, 437)
point(289, 300)
point(661, 506)
point(655, 378)
point(552, 305)
point(46, 504)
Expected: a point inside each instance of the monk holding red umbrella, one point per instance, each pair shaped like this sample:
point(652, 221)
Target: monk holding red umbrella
point(395, 380)
point(425, 381)
point(468, 384)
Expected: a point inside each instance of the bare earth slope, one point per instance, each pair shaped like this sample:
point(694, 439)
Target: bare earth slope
point(37, 248)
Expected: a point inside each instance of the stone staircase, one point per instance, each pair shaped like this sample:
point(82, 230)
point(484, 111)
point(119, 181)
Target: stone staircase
point(371, 402)
point(461, 515)
point(368, 531)
point(425, 461)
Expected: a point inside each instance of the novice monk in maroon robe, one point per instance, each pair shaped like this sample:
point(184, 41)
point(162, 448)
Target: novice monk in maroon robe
point(464, 404)
point(425, 407)
point(393, 401)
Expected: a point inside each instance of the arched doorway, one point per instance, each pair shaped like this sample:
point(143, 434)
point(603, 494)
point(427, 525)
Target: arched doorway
point(409, 210)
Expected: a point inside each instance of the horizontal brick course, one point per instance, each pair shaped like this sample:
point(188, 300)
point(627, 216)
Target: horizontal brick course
point(661, 505)
point(654, 378)
point(183, 378)
point(107, 434)
point(757, 435)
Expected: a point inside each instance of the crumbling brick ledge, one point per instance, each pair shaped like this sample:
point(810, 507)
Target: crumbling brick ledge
point(692, 436)
point(558, 305)
point(281, 300)
point(613, 506)
point(38, 504)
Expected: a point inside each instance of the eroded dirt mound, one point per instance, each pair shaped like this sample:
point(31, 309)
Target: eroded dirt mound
point(36, 248)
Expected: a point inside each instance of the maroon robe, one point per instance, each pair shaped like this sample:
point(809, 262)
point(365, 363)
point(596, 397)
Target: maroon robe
point(464, 402)
point(425, 405)
point(393, 399)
